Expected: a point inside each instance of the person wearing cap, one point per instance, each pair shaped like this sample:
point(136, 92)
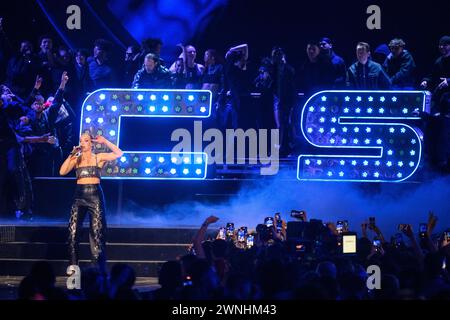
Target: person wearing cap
point(326, 48)
point(366, 74)
point(152, 74)
point(400, 66)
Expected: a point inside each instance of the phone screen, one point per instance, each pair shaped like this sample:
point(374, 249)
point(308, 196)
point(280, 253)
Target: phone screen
point(340, 227)
point(250, 240)
point(230, 229)
point(349, 243)
point(222, 233)
point(241, 235)
point(268, 221)
point(423, 228)
point(377, 243)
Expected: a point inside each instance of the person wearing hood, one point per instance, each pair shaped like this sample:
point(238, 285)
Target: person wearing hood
point(400, 66)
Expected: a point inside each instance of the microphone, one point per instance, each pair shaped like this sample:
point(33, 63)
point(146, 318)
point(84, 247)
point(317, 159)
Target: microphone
point(76, 151)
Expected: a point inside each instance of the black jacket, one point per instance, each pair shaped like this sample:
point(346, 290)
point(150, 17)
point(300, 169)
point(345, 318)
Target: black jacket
point(160, 78)
point(370, 76)
point(401, 69)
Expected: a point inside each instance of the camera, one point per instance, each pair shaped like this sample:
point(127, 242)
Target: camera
point(268, 221)
point(423, 230)
point(342, 226)
point(250, 241)
point(279, 222)
point(349, 243)
point(300, 215)
point(222, 233)
point(230, 229)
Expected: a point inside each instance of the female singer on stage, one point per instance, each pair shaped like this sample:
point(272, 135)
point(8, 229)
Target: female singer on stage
point(88, 196)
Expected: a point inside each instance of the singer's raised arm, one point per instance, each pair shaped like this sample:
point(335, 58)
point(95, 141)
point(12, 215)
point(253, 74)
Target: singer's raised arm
point(70, 162)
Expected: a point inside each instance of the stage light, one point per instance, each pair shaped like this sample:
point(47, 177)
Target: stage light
point(148, 159)
point(412, 152)
point(341, 174)
point(333, 130)
point(100, 120)
point(365, 162)
point(382, 99)
point(413, 141)
point(330, 173)
point(174, 160)
point(311, 109)
point(369, 110)
point(405, 110)
point(147, 170)
point(379, 141)
point(322, 119)
point(394, 99)
point(355, 141)
point(140, 97)
point(191, 97)
point(346, 110)
point(342, 162)
point(391, 130)
point(199, 160)
point(185, 171)
point(356, 129)
point(368, 130)
point(123, 159)
point(364, 174)
point(344, 129)
point(381, 110)
point(324, 98)
point(173, 171)
point(390, 152)
point(367, 141)
point(319, 162)
point(377, 163)
point(152, 97)
point(334, 120)
point(344, 141)
point(310, 130)
point(165, 109)
point(88, 120)
point(102, 96)
point(358, 98)
point(307, 162)
point(202, 109)
point(370, 99)
point(400, 164)
point(321, 130)
point(186, 160)
point(114, 108)
point(402, 130)
point(358, 110)
point(332, 141)
point(152, 108)
point(389, 163)
point(353, 162)
point(165, 97)
point(161, 159)
point(399, 175)
point(198, 171)
point(347, 98)
point(323, 109)
point(88, 107)
point(112, 133)
point(411, 163)
point(376, 174)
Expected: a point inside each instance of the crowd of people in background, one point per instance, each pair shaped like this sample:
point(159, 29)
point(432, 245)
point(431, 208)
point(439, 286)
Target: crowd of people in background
point(278, 263)
point(40, 109)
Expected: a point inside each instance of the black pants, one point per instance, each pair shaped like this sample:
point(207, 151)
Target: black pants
point(14, 174)
point(88, 199)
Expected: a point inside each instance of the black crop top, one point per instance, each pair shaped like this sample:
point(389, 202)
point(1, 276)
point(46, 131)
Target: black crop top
point(89, 171)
